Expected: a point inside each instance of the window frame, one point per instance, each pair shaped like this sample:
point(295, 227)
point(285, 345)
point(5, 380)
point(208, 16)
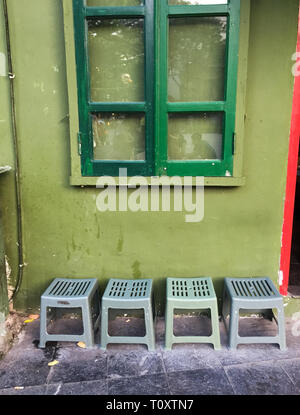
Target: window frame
point(91, 167)
point(231, 174)
point(219, 168)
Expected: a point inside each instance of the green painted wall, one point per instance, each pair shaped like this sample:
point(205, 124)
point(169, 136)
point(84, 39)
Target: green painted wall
point(65, 235)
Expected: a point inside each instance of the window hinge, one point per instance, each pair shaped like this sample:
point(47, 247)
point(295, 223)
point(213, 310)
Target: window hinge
point(233, 143)
point(79, 143)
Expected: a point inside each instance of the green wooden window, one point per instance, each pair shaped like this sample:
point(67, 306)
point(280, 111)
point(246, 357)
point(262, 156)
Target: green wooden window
point(157, 83)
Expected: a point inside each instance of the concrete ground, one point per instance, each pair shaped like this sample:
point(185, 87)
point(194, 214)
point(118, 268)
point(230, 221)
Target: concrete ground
point(189, 369)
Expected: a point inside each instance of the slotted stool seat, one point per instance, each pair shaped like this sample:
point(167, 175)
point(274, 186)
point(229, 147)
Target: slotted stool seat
point(252, 294)
point(72, 293)
point(191, 293)
point(128, 294)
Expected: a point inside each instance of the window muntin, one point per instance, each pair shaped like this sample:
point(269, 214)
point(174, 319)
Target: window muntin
point(159, 111)
point(113, 3)
point(197, 2)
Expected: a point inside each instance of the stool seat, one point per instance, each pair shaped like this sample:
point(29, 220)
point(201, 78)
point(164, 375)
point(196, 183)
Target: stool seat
point(72, 293)
point(252, 294)
point(190, 289)
point(252, 289)
point(191, 293)
point(128, 294)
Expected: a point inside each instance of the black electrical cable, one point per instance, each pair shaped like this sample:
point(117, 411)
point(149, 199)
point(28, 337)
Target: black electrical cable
point(11, 76)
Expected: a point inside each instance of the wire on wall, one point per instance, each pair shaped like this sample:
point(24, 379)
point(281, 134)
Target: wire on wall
point(11, 76)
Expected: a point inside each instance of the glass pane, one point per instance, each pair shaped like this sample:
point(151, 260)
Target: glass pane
point(195, 136)
point(119, 136)
point(197, 56)
point(116, 59)
point(112, 3)
point(197, 2)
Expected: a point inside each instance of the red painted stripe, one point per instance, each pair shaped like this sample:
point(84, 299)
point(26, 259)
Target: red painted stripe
point(287, 229)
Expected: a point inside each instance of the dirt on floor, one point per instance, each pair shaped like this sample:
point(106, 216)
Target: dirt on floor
point(12, 328)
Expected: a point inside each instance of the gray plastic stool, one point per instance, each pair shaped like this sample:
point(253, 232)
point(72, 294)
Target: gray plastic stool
point(128, 294)
point(72, 293)
point(252, 294)
point(191, 293)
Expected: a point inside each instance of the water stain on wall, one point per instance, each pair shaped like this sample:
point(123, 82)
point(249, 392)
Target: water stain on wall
point(136, 272)
point(120, 243)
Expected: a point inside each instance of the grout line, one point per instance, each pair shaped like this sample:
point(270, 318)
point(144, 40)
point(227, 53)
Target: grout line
point(58, 388)
point(54, 356)
point(166, 373)
point(290, 358)
point(60, 384)
point(229, 380)
point(250, 363)
point(283, 368)
point(259, 362)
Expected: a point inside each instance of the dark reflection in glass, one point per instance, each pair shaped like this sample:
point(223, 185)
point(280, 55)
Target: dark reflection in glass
point(197, 2)
point(197, 56)
point(119, 136)
point(195, 136)
point(113, 3)
point(116, 59)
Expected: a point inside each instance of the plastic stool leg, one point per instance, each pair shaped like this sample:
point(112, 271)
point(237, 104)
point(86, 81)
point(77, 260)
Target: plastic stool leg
point(169, 327)
point(43, 325)
point(215, 326)
point(87, 324)
point(104, 328)
point(233, 327)
point(149, 327)
point(281, 328)
point(225, 308)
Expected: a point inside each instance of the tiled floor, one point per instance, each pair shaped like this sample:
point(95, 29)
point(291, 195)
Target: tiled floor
point(189, 369)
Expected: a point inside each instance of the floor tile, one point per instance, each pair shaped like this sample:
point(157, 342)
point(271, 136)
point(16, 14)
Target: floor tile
point(97, 387)
point(200, 382)
point(292, 369)
point(79, 366)
point(24, 372)
point(190, 357)
point(134, 363)
point(248, 353)
point(27, 390)
point(141, 385)
point(266, 378)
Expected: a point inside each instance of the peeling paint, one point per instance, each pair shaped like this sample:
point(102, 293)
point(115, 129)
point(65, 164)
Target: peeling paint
point(10, 287)
point(280, 278)
point(2, 324)
point(3, 71)
point(39, 85)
